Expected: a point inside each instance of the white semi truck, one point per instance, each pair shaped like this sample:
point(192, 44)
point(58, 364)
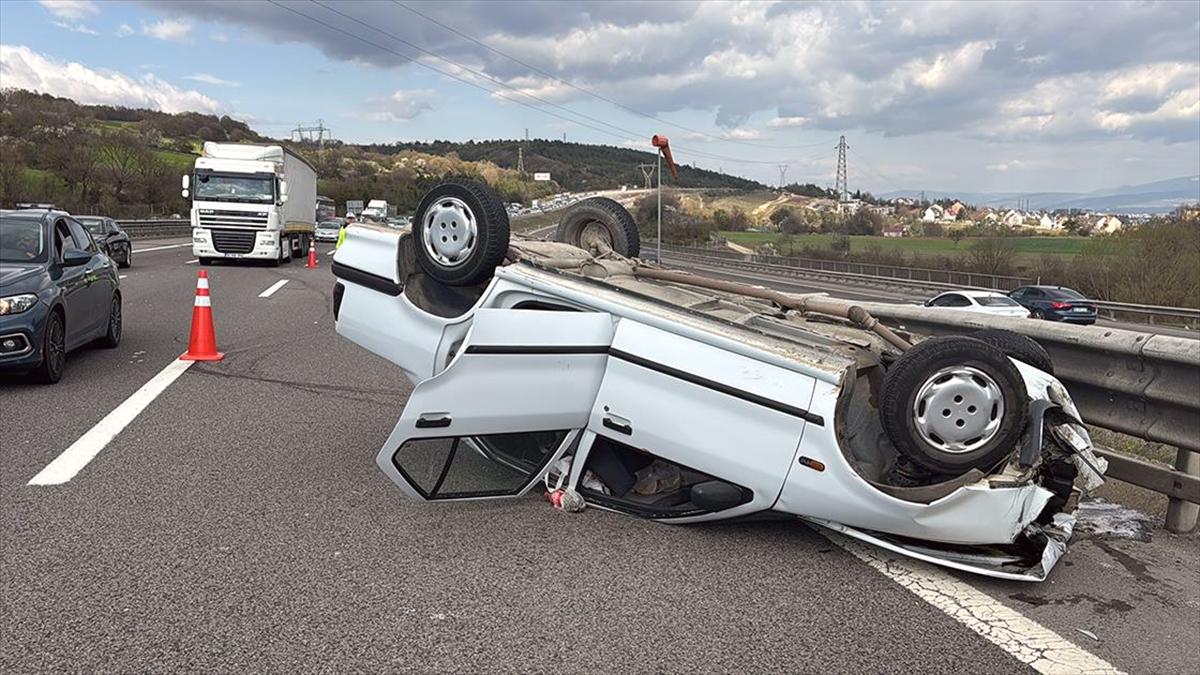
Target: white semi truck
point(254, 202)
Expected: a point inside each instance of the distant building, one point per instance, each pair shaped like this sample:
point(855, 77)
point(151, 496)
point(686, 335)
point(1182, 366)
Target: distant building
point(1107, 225)
point(953, 211)
point(895, 230)
point(1047, 223)
point(933, 213)
point(1013, 218)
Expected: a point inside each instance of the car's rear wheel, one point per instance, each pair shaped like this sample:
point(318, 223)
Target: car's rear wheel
point(951, 404)
point(112, 336)
point(54, 351)
point(127, 259)
point(1020, 347)
point(1038, 314)
point(599, 224)
point(461, 232)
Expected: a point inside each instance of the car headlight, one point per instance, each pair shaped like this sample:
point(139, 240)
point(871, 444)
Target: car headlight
point(15, 304)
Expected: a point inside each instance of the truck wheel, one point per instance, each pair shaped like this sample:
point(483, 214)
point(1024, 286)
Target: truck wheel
point(461, 232)
point(954, 403)
point(285, 251)
point(597, 224)
point(205, 261)
point(1020, 347)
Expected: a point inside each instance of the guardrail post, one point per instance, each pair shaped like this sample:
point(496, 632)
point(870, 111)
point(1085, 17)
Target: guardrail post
point(1182, 515)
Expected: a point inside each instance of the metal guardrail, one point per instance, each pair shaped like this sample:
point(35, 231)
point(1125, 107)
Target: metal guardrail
point(1143, 385)
point(1144, 313)
point(167, 227)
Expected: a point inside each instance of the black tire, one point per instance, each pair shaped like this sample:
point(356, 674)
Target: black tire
point(205, 261)
point(614, 221)
point(127, 261)
point(1020, 347)
point(112, 335)
point(484, 230)
point(917, 368)
point(54, 350)
point(1038, 314)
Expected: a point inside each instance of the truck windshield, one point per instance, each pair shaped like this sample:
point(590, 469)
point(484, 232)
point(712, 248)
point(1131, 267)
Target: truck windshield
point(219, 187)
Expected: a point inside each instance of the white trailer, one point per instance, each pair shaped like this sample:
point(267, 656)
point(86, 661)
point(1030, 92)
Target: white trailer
point(256, 202)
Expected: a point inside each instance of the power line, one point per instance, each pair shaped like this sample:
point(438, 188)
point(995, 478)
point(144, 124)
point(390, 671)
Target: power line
point(469, 83)
point(593, 94)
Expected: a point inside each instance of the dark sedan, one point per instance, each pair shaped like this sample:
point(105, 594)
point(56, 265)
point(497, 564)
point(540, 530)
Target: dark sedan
point(110, 237)
point(58, 291)
point(1056, 303)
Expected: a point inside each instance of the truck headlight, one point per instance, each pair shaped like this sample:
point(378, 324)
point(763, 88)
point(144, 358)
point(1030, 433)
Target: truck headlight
point(15, 304)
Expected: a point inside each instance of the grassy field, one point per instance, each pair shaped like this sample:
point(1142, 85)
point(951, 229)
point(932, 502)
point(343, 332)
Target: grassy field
point(1026, 246)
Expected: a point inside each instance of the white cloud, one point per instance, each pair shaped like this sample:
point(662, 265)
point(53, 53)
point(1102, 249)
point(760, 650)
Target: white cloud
point(785, 122)
point(23, 68)
point(219, 37)
point(743, 134)
point(211, 79)
point(73, 10)
point(401, 106)
point(76, 28)
point(168, 29)
point(125, 30)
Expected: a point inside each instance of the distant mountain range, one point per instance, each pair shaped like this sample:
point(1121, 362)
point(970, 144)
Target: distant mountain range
point(1157, 197)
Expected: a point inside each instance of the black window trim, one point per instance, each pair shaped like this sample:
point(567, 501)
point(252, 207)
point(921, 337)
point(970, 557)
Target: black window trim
point(363, 278)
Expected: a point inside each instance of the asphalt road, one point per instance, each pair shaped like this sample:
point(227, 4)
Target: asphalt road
point(239, 524)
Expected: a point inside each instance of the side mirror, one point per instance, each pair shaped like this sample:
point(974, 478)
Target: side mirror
point(74, 257)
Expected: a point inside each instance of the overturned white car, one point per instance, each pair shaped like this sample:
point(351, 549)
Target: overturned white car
point(684, 399)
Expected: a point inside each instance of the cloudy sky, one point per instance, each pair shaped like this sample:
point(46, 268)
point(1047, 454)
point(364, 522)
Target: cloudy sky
point(942, 96)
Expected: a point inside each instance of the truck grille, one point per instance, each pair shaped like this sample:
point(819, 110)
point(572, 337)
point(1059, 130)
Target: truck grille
point(218, 218)
point(233, 241)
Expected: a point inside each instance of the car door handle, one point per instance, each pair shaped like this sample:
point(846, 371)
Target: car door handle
point(424, 422)
point(619, 427)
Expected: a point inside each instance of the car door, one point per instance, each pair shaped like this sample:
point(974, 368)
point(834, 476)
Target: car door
point(723, 414)
point(516, 395)
point(98, 278)
point(72, 283)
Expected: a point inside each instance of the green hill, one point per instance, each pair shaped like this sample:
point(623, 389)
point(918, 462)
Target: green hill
point(574, 166)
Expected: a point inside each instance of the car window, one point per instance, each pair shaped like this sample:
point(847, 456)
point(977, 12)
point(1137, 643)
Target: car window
point(21, 240)
point(1034, 293)
point(951, 300)
point(996, 301)
point(1064, 294)
point(63, 239)
point(83, 240)
point(93, 225)
point(471, 466)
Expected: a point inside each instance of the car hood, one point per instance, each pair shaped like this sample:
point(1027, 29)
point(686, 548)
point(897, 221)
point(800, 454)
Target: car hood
point(20, 277)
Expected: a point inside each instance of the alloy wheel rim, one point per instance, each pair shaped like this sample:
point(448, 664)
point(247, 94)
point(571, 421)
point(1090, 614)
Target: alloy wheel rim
point(958, 409)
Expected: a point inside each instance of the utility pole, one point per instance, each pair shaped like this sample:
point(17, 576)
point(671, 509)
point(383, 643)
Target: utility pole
point(564, 137)
point(521, 161)
point(658, 169)
point(840, 181)
point(526, 134)
point(782, 172)
point(647, 173)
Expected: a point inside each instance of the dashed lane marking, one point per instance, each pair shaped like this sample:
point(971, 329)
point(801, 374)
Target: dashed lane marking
point(1028, 641)
point(193, 261)
point(274, 287)
point(73, 459)
point(160, 248)
point(122, 276)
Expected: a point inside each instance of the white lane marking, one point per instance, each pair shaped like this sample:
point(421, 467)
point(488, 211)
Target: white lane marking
point(122, 276)
point(193, 261)
point(160, 248)
point(1028, 641)
point(73, 459)
point(332, 252)
point(274, 287)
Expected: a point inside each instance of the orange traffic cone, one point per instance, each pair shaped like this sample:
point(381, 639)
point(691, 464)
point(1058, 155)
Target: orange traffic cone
point(312, 254)
point(202, 345)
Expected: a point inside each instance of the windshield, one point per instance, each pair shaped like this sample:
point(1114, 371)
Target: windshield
point(92, 224)
point(21, 240)
point(996, 301)
point(330, 224)
point(256, 188)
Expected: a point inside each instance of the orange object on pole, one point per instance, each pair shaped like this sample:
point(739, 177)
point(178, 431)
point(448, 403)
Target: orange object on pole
point(664, 145)
point(312, 254)
point(202, 344)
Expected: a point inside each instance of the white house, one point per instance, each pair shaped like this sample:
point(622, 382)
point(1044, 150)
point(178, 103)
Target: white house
point(1107, 224)
point(1013, 218)
point(933, 213)
point(1047, 223)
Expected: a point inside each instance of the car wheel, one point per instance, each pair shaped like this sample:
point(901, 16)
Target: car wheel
point(112, 337)
point(1020, 347)
point(598, 224)
point(461, 232)
point(126, 261)
point(205, 261)
point(54, 351)
point(1038, 314)
point(954, 403)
